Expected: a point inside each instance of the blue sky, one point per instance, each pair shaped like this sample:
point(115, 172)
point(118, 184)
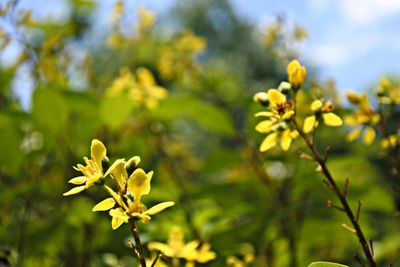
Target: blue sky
point(353, 41)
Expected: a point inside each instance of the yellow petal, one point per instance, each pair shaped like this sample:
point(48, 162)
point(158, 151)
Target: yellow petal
point(288, 115)
point(118, 217)
point(294, 64)
point(78, 180)
point(369, 135)
point(264, 126)
point(189, 250)
point(75, 190)
point(316, 104)
point(98, 152)
point(119, 174)
point(115, 196)
point(164, 248)
point(106, 204)
point(353, 135)
point(269, 142)
point(144, 218)
point(294, 134)
point(145, 77)
point(331, 119)
point(139, 183)
point(286, 140)
point(351, 120)
point(276, 97)
point(309, 124)
point(93, 179)
point(159, 207)
point(264, 114)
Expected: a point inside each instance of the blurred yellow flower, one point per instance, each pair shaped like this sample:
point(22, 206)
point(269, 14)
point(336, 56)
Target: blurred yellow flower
point(364, 119)
point(388, 93)
point(176, 247)
point(143, 90)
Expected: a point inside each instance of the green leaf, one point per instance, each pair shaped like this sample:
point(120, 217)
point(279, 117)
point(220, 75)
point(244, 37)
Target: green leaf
point(115, 110)
point(49, 110)
point(326, 264)
point(207, 115)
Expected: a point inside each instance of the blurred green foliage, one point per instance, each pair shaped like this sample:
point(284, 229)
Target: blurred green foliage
point(200, 140)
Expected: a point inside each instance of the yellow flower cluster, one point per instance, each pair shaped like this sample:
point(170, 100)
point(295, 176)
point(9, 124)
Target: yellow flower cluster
point(364, 119)
point(142, 89)
point(179, 55)
point(320, 110)
point(280, 124)
point(176, 249)
point(388, 93)
point(132, 183)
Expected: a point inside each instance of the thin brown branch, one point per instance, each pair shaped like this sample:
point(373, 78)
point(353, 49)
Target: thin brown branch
point(349, 212)
point(138, 247)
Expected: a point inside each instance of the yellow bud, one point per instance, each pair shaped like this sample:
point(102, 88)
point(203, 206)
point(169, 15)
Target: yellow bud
point(296, 74)
point(353, 98)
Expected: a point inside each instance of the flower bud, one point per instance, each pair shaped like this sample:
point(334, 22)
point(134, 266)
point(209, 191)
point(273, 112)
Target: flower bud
point(284, 87)
point(261, 98)
point(131, 164)
point(353, 98)
point(296, 74)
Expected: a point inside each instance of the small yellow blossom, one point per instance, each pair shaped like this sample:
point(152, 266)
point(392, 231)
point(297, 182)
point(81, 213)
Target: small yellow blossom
point(296, 74)
point(124, 205)
point(176, 247)
point(388, 93)
point(390, 141)
point(92, 172)
point(276, 125)
point(320, 110)
point(364, 119)
point(133, 188)
point(143, 89)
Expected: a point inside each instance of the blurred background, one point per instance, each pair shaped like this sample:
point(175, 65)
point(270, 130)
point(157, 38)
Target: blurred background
point(172, 82)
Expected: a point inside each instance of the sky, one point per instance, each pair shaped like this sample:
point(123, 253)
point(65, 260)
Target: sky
point(353, 41)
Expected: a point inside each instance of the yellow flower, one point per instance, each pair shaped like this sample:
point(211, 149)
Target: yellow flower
point(176, 247)
point(388, 93)
point(321, 110)
point(284, 137)
point(203, 254)
point(391, 141)
point(143, 90)
point(296, 74)
point(92, 172)
point(276, 125)
point(134, 186)
point(147, 91)
point(364, 120)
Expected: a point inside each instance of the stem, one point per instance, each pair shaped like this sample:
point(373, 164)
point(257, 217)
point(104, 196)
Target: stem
point(139, 247)
point(342, 197)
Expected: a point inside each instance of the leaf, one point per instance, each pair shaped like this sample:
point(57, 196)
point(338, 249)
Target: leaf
point(207, 115)
point(49, 110)
point(115, 110)
point(326, 264)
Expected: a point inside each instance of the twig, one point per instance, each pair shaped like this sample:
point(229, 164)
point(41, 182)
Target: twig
point(342, 197)
point(155, 260)
point(138, 247)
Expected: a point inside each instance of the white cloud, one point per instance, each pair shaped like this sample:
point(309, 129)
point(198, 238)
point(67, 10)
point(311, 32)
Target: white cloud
point(345, 48)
